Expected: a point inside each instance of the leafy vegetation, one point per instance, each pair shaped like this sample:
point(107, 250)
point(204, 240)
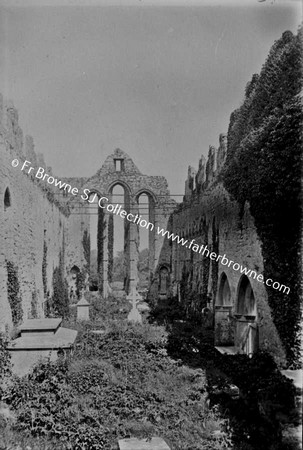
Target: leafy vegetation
point(13, 292)
point(60, 299)
point(266, 401)
point(264, 168)
point(80, 282)
point(5, 367)
point(118, 269)
point(34, 306)
point(119, 383)
point(100, 242)
point(44, 269)
point(86, 247)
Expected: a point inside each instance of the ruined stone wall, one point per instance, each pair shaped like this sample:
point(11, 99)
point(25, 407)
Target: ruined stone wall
point(78, 234)
point(34, 227)
point(127, 175)
point(78, 231)
point(209, 216)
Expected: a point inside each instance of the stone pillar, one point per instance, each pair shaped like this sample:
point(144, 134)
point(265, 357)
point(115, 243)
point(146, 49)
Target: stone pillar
point(161, 222)
point(110, 234)
point(102, 242)
point(151, 236)
point(133, 240)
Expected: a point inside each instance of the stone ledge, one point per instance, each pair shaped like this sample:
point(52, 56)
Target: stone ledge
point(63, 338)
point(36, 326)
point(155, 443)
point(228, 350)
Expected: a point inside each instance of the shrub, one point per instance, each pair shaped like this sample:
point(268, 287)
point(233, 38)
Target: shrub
point(13, 292)
point(118, 384)
point(60, 300)
point(5, 366)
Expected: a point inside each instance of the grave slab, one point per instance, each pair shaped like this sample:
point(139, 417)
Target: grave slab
point(42, 326)
point(41, 339)
point(228, 350)
point(156, 443)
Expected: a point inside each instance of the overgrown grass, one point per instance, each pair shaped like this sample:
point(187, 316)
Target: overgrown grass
point(118, 384)
point(266, 404)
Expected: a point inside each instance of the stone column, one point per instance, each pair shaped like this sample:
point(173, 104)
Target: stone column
point(102, 243)
point(133, 241)
point(151, 236)
point(161, 222)
point(110, 234)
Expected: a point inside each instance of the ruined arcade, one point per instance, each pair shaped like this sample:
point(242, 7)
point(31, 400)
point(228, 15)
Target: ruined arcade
point(55, 234)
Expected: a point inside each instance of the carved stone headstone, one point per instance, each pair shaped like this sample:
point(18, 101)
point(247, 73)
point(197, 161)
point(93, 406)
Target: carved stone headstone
point(82, 308)
point(134, 316)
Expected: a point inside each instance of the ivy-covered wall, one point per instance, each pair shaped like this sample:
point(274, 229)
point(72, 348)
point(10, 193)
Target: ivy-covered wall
point(13, 291)
point(34, 227)
point(100, 246)
point(245, 201)
point(86, 248)
point(77, 243)
point(263, 168)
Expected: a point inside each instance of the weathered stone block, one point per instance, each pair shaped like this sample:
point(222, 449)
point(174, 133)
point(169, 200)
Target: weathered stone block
point(155, 443)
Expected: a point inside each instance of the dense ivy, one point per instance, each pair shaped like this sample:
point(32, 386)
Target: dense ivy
point(44, 269)
point(34, 305)
point(86, 247)
point(110, 248)
point(5, 364)
point(80, 283)
point(13, 292)
point(118, 384)
point(100, 244)
point(60, 299)
point(264, 168)
point(195, 296)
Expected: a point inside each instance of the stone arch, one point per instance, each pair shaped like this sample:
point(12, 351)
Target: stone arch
point(7, 198)
point(92, 208)
point(73, 283)
point(246, 304)
point(152, 202)
point(246, 327)
point(119, 169)
point(119, 182)
point(164, 281)
point(224, 293)
point(75, 269)
point(148, 192)
point(224, 326)
point(93, 192)
point(112, 236)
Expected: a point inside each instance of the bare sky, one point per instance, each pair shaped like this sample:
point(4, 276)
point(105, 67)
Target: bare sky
point(156, 79)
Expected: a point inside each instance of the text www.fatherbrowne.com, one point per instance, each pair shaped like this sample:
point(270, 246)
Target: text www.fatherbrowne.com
point(204, 250)
point(103, 203)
